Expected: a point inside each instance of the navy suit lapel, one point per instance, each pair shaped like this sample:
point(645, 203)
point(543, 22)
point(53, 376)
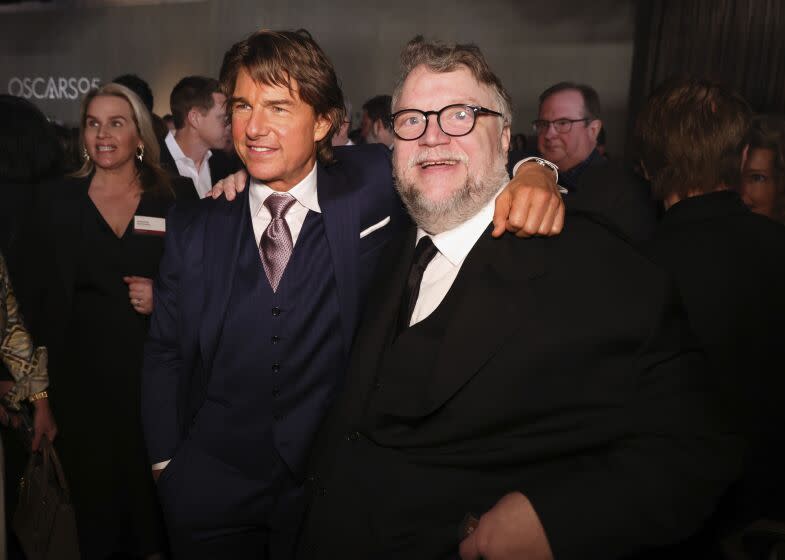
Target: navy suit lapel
point(224, 232)
point(342, 227)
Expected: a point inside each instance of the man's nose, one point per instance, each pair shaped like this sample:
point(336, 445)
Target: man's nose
point(256, 125)
point(550, 132)
point(434, 135)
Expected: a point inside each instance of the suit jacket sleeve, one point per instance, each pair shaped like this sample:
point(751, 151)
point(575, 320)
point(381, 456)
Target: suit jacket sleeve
point(663, 479)
point(163, 363)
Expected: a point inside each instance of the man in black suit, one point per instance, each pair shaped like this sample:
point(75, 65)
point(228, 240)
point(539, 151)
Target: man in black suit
point(567, 128)
point(569, 419)
point(202, 132)
point(728, 263)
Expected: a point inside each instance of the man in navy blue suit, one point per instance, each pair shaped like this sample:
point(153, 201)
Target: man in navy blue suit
point(258, 300)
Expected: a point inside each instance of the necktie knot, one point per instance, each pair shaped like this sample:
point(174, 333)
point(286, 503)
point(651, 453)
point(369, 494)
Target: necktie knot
point(424, 252)
point(278, 204)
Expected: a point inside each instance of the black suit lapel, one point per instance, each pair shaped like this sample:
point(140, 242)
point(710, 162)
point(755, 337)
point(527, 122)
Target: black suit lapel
point(379, 322)
point(495, 302)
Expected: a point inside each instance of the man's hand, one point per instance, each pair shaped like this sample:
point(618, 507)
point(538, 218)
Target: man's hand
point(230, 185)
point(140, 292)
point(510, 530)
point(530, 204)
point(43, 423)
point(157, 474)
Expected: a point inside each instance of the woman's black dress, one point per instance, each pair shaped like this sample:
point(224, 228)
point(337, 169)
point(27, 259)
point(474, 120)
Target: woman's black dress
point(97, 402)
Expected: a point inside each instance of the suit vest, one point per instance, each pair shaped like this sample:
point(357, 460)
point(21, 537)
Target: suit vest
point(277, 363)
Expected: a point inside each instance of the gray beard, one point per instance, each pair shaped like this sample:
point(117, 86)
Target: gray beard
point(464, 203)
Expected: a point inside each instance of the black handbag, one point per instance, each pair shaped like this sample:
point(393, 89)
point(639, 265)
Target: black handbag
point(44, 520)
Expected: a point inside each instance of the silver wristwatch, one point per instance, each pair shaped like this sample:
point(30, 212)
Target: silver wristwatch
point(540, 161)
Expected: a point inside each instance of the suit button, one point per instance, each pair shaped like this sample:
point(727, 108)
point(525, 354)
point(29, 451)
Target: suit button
point(353, 436)
point(275, 340)
point(378, 386)
point(276, 311)
point(276, 392)
point(276, 368)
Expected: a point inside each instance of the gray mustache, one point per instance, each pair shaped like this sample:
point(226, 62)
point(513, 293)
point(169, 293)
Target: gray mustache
point(418, 159)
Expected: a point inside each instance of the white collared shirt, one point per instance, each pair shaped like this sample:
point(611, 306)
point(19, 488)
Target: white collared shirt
point(453, 245)
point(306, 198)
point(187, 168)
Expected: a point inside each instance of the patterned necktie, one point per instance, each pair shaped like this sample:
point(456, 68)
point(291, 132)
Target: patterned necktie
point(423, 253)
point(275, 247)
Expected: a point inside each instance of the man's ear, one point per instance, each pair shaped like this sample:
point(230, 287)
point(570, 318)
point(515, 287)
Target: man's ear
point(595, 127)
point(321, 128)
point(194, 117)
point(506, 139)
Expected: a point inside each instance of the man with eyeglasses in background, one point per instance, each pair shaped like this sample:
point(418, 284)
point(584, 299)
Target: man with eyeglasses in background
point(567, 127)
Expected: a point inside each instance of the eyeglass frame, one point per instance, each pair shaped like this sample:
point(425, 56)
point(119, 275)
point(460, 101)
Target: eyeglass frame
point(586, 120)
point(477, 109)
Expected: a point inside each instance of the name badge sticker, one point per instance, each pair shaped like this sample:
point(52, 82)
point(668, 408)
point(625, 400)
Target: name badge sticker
point(149, 225)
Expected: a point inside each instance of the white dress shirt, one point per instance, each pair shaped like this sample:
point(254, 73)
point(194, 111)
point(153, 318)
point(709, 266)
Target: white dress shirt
point(304, 193)
point(187, 168)
point(453, 247)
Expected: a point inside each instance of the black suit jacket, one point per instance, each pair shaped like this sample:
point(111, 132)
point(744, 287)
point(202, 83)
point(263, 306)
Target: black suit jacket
point(583, 395)
point(220, 165)
point(729, 266)
point(615, 195)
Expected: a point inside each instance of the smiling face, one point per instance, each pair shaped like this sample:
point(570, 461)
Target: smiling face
point(759, 182)
point(110, 133)
point(444, 180)
point(275, 132)
point(567, 149)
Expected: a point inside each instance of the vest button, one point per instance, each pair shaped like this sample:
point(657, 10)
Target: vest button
point(276, 392)
point(275, 340)
point(276, 368)
point(276, 311)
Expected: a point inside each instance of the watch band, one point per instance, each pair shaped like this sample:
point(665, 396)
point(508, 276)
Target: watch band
point(540, 161)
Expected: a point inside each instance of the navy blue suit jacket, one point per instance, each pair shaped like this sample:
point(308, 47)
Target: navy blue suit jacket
point(192, 290)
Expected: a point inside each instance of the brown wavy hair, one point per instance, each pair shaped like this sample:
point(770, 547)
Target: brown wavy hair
point(690, 137)
point(276, 58)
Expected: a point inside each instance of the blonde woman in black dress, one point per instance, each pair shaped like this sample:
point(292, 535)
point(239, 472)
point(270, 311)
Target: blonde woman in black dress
point(99, 236)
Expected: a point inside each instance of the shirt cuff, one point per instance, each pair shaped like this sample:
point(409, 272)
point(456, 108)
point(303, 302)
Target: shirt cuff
point(161, 465)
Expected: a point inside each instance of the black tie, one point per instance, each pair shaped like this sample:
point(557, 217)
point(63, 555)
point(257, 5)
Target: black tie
point(423, 253)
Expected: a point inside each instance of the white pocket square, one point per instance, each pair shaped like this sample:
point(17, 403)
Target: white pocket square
point(374, 227)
